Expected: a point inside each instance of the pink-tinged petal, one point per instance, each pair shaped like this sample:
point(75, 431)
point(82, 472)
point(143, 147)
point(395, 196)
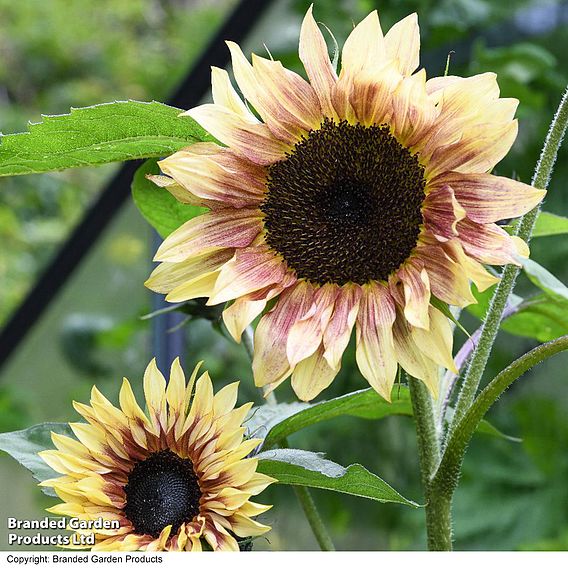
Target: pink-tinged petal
point(216, 174)
point(253, 141)
point(225, 95)
point(490, 244)
point(375, 349)
point(372, 94)
point(312, 375)
point(224, 228)
point(448, 280)
point(441, 212)
point(402, 44)
point(438, 340)
point(484, 147)
point(270, 363)
point(413, 111)
point(315, 57)
point(285, 101)
point(487, 198)
point(338, 331)
point(307, 333)
point(411, 358)
point(240, 314)
point(296, 96)
point(363, 51)
point(250, 269)
point(416, 286)
point(170, 275)
point(474, 270)
point(464, 105)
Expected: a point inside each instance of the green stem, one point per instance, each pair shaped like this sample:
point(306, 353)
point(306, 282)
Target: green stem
point(446, 478)
point(302, 493)
point(312, 514)
point(438, 506)
point(481, 354)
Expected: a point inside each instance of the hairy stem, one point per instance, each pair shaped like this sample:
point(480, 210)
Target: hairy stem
point(302, 493)
point(438, 507)
point(312, 514)
point(524, 229)
point(446, 478)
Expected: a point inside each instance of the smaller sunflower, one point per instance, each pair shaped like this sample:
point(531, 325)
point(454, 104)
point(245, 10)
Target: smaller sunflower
point(172, 478)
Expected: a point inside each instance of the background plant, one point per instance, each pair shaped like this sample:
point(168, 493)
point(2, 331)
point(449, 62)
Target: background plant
point(84, 331)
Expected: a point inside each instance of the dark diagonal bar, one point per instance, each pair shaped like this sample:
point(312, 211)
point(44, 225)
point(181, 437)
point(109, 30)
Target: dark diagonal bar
point(117, 191)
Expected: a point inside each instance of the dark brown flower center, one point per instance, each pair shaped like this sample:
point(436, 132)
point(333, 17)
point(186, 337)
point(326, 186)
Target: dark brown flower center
point(345, 205)
point(162, 490)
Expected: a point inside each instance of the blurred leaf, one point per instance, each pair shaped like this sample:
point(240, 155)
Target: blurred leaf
point(548, 224)
point(98, 134)
point(483, 298)
point(486, 427)
point(299, 467)
point(540, 317)
point(545, 280)
point(157, 205)
point(24, 446)
point(13, 411)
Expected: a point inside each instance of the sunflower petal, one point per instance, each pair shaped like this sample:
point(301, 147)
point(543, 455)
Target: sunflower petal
point(402, 43)
point(375, 349)
point(315, 57)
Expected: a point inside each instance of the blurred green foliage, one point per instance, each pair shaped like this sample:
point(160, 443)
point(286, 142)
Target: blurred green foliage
point(72, 53)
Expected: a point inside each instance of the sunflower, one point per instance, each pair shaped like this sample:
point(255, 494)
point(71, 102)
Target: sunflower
point(349, 200)
point(169, 479)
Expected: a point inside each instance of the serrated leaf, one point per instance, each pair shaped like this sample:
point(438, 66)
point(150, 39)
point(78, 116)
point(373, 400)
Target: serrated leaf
point(110, 132)
point(309, 469)
point(24, 445)
point(157, 205)
point(548, 224)
point(545, 280)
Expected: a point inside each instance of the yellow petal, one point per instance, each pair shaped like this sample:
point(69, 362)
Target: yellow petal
point(402, 44)
point(225, 95)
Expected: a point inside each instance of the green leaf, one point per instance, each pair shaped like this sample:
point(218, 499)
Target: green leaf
point(545, 280)
point(110, 132)
point(24, 445)
point(157, 205)
point(540, 317)
point(364, 404)
point(548, 224)
point(277, 422)
point(299, 467)
point(483, 298)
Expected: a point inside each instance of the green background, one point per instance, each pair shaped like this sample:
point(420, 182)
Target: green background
point(62, 53)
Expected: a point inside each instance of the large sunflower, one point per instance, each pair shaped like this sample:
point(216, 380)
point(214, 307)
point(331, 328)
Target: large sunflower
point(354, 200)
point(172, 477)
